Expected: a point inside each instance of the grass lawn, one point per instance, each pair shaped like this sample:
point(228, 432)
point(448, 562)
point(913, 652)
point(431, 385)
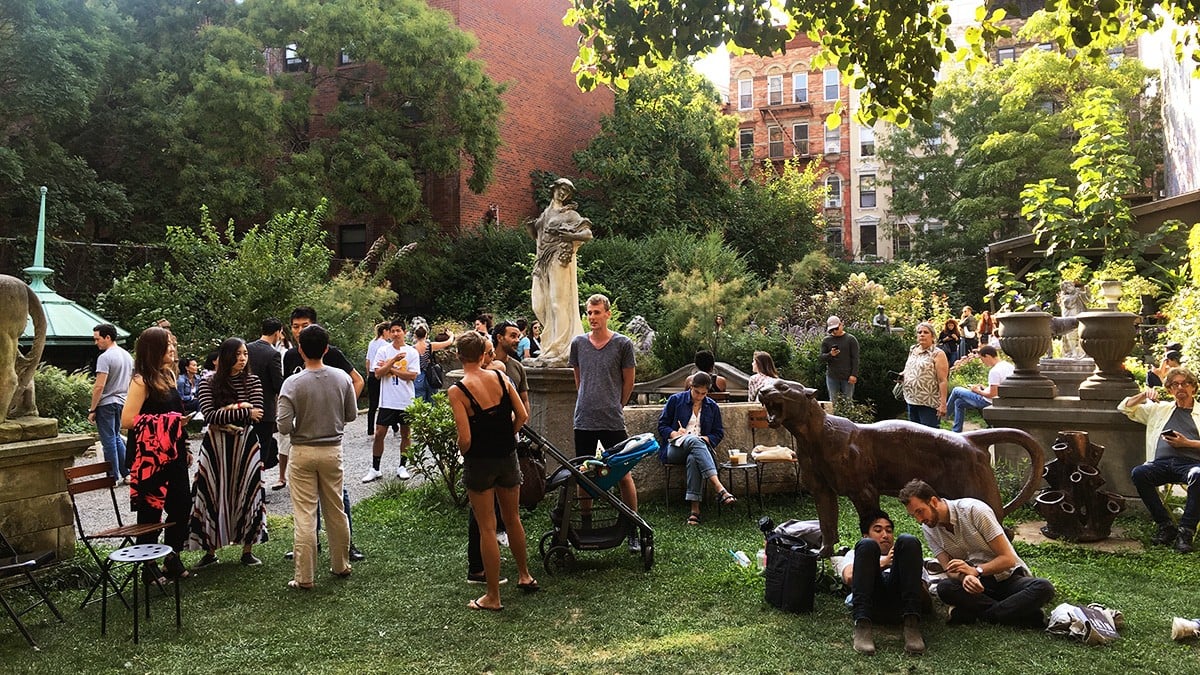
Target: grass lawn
point(404, 610)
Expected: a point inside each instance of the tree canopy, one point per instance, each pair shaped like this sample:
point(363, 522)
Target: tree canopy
point(890, 49)
point(137, 112)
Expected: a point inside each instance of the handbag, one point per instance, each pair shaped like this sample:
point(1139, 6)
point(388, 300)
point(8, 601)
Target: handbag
point(898, 390)
point(434, 377)
point(533, 472)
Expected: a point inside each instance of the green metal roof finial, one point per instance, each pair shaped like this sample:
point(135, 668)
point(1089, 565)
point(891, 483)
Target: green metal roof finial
point(38, 272)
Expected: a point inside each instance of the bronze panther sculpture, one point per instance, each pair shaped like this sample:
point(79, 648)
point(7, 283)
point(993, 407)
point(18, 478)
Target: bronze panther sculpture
point(863, 461)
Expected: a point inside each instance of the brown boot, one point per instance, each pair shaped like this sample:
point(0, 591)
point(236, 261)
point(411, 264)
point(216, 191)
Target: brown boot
point(913, 642)
point(864, 637)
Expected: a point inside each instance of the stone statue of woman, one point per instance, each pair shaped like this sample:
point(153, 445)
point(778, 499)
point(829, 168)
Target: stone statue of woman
point(1072, 299)
point(559, 231)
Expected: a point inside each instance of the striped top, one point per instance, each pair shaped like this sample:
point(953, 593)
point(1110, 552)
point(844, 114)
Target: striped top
point(249, 390)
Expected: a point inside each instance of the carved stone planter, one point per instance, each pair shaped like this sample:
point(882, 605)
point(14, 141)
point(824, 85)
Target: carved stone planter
point(1074, 506)
point(1108, 337)
point(1025, 337)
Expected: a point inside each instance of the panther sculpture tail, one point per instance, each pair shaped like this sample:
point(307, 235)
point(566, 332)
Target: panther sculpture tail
point(982, 438)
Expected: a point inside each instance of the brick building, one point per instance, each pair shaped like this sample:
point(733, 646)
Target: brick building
point(782, 104)
point(523, 44)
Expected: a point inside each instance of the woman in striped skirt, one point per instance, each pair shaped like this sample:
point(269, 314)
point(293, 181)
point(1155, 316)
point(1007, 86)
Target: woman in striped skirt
point(227, 497)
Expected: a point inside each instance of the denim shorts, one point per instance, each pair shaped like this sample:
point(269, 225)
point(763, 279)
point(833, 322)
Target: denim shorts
point(485, 473)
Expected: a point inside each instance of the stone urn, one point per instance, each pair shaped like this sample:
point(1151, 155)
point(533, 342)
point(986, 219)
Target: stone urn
point(1108, 337)
point(1025, 337)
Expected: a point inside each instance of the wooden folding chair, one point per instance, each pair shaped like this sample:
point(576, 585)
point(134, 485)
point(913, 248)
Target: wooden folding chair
point(13, 564)
point(95, 478)
point(757, 419)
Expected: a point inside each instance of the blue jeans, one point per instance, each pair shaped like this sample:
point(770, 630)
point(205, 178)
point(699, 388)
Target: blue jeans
point(694, 453)
point(422, 388)
point(962, 399)
point(923, 414)
point(839, 388)
point(1146, 477)
point(108, 424)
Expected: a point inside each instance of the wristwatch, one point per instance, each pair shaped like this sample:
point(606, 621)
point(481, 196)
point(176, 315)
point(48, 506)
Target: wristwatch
point(978, 570)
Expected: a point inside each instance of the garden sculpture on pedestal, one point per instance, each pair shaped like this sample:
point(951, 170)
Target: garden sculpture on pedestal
point(1072, 299)
point(1074, 506)
point(559, 231)
point(17, 303)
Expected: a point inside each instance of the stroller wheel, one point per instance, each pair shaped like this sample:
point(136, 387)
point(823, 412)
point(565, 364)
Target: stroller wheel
point(545, 543)
point(558, 559)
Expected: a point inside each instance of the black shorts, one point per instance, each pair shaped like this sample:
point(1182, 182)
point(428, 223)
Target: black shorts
point(390, 417)
point(585, 440)
point(484, 473)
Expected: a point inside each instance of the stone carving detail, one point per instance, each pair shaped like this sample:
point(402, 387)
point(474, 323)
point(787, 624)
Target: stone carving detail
point(641, 333)
point(17, 303)
point(1074, 507)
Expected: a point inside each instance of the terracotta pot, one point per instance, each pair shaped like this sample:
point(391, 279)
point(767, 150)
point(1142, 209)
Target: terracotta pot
point(1108, 337)
point(1025, 337)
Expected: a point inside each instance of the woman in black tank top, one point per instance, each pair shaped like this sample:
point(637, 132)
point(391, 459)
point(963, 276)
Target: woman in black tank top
point(488, 413)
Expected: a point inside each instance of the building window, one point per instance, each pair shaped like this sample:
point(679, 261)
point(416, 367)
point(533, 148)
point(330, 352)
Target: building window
point(833, 239)
point(775, 142)
point(1046, 46)
point(746, 143)
point(775, 90)
point(866, 191)
point(1115, 56)
point(800, 138)
point(833, 140)
point(866, 142)
point(745, 94)
point(292, 61)
point(1006, 54)
point(833, 192)
point(831, 84)
point(799, 87)
point(352, 241)
point(344, 58)
point(867, 241)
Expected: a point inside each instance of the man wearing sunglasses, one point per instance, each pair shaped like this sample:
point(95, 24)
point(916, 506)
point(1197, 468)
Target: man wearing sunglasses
point(1173, 441)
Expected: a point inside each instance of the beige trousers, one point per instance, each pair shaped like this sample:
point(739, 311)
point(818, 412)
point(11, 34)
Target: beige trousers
point(315, 472)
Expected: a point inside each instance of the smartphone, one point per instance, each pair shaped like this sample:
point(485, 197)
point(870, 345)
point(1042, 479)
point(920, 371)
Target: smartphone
point(1169, 432)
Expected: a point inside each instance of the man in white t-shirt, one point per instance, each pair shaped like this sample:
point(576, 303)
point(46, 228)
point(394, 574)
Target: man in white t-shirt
point(978, 396)
point(397, 366)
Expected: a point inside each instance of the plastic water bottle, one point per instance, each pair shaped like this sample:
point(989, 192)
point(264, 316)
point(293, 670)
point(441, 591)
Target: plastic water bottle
point(740, 558)
point(762, 559)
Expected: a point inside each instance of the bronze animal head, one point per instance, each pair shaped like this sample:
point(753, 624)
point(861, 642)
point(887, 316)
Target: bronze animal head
point(788, 402)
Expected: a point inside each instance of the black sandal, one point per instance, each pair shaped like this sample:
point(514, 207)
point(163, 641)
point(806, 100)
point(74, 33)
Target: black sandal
point(727, 499)
point(173, 567)
point(693, 519)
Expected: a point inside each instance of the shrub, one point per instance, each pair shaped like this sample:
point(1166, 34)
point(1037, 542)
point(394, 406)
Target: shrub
point(65, 396)
point(877, 354)
point(433, 428)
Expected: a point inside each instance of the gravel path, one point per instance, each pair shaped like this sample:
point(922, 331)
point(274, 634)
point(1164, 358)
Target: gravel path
point(356, 449)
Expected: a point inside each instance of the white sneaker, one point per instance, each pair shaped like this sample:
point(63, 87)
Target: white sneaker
point(372, 475)
point(402, 473)
point(502, 539)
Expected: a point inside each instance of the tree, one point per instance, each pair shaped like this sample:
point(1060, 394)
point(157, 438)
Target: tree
point(661, 158)
point(777, 220)
point(994, 131)
point(892, 50)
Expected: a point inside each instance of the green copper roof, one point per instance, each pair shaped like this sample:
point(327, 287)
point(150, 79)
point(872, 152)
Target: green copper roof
point(67, 323)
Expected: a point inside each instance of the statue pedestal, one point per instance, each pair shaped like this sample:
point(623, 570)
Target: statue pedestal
point(1043, 419)
point(1067, 374)
point(28, 429)
point(35, 510)
point(552, 397)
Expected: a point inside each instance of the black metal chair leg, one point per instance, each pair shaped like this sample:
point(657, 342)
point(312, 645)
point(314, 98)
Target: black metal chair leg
point(17, 620)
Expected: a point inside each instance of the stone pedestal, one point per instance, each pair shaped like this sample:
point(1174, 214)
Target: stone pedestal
point(1043, 419)
point(552, 397)
point(1067, 374)
point(35, 510)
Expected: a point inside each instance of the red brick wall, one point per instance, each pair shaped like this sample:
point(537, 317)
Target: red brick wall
point(761, 115)
point(546, 118)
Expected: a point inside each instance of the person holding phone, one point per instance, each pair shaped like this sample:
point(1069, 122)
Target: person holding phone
point(1173, 454)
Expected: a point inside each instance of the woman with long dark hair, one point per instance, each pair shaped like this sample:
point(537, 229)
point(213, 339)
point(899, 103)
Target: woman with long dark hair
point(764, 375)
point(227, 498)
point(154, 412)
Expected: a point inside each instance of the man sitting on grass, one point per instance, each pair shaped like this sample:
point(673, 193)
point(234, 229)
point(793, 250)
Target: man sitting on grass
point(987, 580)
point(886, 582)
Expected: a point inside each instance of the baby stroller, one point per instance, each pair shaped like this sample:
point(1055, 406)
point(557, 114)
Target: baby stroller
point(588, 515)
